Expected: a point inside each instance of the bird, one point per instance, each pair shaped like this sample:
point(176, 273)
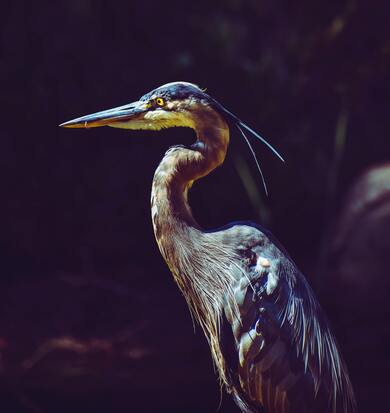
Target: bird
point(270, 341)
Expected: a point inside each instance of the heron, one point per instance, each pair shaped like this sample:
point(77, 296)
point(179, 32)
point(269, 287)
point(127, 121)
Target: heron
point(270, 341)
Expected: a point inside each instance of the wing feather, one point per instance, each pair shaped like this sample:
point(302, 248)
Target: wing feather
point(297, 366)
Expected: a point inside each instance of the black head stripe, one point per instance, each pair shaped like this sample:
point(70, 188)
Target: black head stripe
point(175, 91)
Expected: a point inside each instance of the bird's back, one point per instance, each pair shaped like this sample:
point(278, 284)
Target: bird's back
point(280, 355)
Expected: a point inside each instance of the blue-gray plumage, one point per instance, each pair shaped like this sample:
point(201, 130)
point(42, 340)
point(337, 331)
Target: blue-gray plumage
point(269, 339)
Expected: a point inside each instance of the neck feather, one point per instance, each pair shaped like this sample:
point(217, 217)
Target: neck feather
point(180, 168)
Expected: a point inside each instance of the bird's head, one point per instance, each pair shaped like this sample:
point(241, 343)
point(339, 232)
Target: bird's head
point(174, 104)
point(170, 105)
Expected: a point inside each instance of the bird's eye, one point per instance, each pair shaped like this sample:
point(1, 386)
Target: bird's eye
point(160, 102)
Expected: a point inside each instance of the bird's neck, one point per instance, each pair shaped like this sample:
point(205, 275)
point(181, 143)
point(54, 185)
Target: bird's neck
point(173, 222)
point(179, 169)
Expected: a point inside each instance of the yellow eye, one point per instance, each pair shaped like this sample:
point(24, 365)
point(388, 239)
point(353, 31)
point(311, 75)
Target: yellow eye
point(160, 101)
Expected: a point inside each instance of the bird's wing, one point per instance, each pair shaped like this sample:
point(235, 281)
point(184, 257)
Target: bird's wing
point(280, 354)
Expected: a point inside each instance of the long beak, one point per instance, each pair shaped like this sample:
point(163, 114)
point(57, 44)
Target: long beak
point(111, 117)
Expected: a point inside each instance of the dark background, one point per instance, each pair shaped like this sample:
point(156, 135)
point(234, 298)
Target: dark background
point(90, 319)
